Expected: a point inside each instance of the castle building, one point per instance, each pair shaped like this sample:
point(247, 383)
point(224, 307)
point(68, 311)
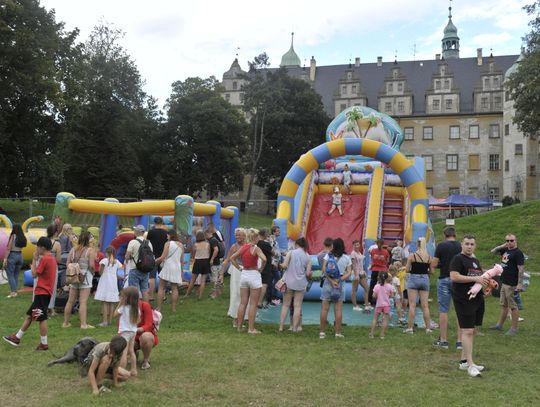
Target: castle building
point(454, 112)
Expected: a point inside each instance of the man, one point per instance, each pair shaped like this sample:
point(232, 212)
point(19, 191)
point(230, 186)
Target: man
point(444, 253)
point(266, 272)
point(157, 237)
point(465, 271)
point(512, 281)
point(215, 261)
point(379, 262)
point(136, 278)
point(273, 298)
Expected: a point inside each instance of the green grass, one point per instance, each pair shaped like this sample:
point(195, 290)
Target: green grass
point(202, 361)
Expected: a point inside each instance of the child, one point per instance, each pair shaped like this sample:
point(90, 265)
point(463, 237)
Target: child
point(397, 252)
point(347, 178)
point(383, 291)
point(46, 271)
point(107, 289)
point(393, 270)
point(201, 266)
point(128, 313)
point(336, 202)
point(359, 277)
point(401, 274)
point(104, 360)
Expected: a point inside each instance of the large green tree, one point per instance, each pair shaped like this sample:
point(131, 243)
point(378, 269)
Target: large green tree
point(524, 84)
point(111, 123)
point(204, 140)
point(287, 119)
point(34, 50)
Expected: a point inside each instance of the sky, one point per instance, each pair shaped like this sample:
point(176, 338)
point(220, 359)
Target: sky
point(172, 40)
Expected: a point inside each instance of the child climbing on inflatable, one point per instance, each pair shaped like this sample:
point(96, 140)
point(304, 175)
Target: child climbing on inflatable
point(337, 198)
point(347, 178)
point(383, 291)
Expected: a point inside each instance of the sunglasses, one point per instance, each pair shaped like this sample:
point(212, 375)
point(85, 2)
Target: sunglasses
point(508, 241)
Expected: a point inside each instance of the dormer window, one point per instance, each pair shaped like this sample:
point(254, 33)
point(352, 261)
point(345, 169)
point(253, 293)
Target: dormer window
point(395, 73)
point(486, 83)
point(447, 84)
point(235, 85)
point(349, 75)
point(390, 87)
point(400, 86)
point(437, 85)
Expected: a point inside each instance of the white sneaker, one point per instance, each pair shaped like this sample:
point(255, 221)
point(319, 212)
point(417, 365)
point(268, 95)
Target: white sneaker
point(357, 308)
point(465, 366)
point(368, 308)
point(473, 371)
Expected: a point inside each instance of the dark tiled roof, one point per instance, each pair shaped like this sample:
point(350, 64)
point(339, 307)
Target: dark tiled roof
point(418, 75)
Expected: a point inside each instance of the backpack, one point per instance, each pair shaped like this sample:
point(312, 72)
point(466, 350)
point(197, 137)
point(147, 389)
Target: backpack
point(157, 317)
point(220, 245)
point(332, 269)
point(74, 274)
point(146, 261)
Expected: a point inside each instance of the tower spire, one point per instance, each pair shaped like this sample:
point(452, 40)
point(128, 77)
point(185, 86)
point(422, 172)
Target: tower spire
point(450, 40)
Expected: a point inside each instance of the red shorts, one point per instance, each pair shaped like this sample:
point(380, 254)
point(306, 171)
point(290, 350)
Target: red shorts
point(382, 310)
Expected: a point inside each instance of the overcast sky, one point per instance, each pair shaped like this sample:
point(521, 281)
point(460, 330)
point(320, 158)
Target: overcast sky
point(172, 40)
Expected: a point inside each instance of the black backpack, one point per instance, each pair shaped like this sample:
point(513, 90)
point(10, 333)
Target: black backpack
point(146, 261)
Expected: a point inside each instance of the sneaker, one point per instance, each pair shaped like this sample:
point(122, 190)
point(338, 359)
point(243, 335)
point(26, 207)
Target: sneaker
point(495, 328)
point(322, 335)
point(340, 336)
point(465, 366)
point(409, 331)
point(433, 325)
point(459, 346)
point(521, 319)
point(102, 324)
point(356, 308)
point(473, 371)
point(276, 301)
point(441, 344)
point(368, 308)
point(428, 331)
point(42, 347)
point(511, 332)
point(12, 340)
point(145, 365)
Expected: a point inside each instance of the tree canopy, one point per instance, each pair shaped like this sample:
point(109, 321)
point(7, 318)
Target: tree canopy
point(524, 84)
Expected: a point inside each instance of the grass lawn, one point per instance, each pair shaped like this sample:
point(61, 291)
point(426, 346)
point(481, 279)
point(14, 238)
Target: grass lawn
point(202, 361)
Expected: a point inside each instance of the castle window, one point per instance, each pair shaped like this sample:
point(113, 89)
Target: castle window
point(518, 149)
point(494, 162)
point(454, 132)
point(494, 194)
point(532, 170)
point(498, 102)
point(507, 129)
point(342, 107)
point(388, 106)
point(474, 131)
point(436, 104)
point(496, 82)
point(448, 104)
point(453, 191)
point(446, 84)
point(506, 165)
point(428, 162)
point(427, 133)
point(354, 89)
point(484, 103)
point(486, 83)
point(408, 133)
point(235, 85)
point(344, 90)
point(494, 131)
point(401, 106)
point(390, 87)
point(400, 86)
point(437, 85)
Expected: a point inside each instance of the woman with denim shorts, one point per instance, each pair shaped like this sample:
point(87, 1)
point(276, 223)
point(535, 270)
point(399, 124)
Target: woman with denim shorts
point(419, 268)
point(13, 261)
point(344, 266)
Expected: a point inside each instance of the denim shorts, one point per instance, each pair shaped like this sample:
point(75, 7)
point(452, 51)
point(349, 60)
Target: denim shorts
point(444, 294)
point(418, 282)
point(138, 279)
point(326, 291)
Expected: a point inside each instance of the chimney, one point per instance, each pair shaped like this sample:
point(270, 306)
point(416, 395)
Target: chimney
point(479, 56)
point(312, 69)
point(437, 57)
point(357, 62)
point(379, 61)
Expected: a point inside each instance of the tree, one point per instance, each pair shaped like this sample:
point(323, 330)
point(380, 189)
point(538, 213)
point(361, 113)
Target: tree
point(35, 49)
point(524, 84)
point(203, 142)
point(287, 119)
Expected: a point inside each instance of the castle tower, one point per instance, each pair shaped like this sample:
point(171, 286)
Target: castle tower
point(450, 40)
point(290, 58)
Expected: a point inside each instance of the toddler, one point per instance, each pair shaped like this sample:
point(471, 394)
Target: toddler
point(336, 202)
point(104, 360)
point(383, 291)
point(396, 283)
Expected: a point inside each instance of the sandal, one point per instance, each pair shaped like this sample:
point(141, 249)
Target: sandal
point(254, 332)
point(66, 325)
point(322, 335)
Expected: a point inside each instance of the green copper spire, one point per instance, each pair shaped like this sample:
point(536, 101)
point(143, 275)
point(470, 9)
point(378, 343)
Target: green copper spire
point(450, 40)
point(290, 58)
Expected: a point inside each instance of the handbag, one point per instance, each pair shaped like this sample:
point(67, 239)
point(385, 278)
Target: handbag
point(3, 277)
point(281, 286)
point(74, 274)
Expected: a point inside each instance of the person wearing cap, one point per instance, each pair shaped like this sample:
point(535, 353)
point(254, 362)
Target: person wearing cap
point(157, 237)
point(136, 278)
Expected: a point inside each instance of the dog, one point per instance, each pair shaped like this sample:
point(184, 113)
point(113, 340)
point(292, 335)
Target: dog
point(77, 353)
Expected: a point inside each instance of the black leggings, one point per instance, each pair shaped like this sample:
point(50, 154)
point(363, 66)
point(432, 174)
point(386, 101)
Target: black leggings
point(372, 284)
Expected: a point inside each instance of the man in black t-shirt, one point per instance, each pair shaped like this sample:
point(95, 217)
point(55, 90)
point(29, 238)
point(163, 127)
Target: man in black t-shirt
point(266, 272)
point(512, 262)
point(215, 261)
point(158, 237)
point(465, 271)
point(444, 253)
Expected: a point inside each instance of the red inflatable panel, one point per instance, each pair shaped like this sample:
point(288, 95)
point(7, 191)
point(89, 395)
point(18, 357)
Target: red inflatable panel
point(349, 227)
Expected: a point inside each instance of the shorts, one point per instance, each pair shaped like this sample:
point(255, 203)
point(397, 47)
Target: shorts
point(201, 266)
point(138, 279)
point(250, 279)
point(215, 273)
point(507, 299)
point(38, 309)
point(267, 277)
point(326, 291)
point(153, 274)
point(383, 310)
point(444, 294)
point(469, 313)
point(86, 283)
point(127, 335)
point(418, 282)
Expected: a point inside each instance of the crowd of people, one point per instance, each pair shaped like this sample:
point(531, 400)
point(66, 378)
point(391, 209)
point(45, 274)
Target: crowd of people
point(260, 274)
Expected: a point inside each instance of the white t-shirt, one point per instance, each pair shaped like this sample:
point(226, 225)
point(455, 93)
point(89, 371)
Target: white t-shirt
point(133, 248)
point(347, 177)
point(343, 262)
point(396, 283)
point(125, 324)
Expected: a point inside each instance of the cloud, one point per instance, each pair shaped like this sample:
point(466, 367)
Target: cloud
point(490, 39)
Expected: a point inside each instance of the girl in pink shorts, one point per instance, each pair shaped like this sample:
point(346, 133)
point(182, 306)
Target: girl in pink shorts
point(383, 291)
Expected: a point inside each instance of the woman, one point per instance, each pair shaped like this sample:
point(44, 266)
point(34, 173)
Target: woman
point(85, 256)
point(253, 262)
point(66, 239)
point(201, 266)
point(419, 267)
point(298, 269)
point(171, 272)
point(13, 261)
point(234, 300)
point(337, 268)
point(56, 253)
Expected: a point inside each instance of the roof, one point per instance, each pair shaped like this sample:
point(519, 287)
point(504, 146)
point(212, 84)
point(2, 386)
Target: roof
point(290, 58)
point(418, 76)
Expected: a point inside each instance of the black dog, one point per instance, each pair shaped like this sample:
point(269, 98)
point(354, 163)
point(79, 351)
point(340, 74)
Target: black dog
point(77, 353)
